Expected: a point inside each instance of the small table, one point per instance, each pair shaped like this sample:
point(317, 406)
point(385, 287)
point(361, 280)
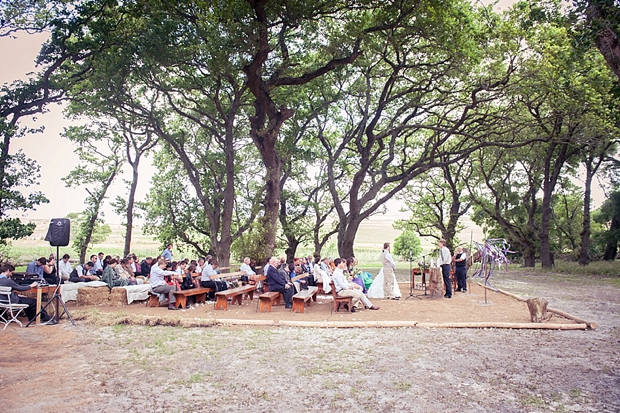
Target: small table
point(39, 290)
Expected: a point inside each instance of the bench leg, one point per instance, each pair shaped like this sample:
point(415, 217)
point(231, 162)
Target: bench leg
point(181, 301)
point(298, 305)
point(200, 298)
point(221, 303)
point(153, 301)
point(237, 299)
point(265, 306)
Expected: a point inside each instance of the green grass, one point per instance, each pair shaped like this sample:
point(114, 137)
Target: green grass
point(601, 268)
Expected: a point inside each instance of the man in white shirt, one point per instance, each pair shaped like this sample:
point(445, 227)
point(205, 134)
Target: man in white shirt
point(445, 259)
point(245, 267)
point(346, 289)
point(64, 267)
point(159, 285)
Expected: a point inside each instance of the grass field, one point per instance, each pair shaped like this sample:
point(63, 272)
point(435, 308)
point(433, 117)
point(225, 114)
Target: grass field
point(368, 244)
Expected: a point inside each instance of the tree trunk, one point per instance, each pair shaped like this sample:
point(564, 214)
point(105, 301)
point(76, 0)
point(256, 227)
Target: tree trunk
point(538, 310)
point(611, 250)
point(130, 207)
point(606, 38)
point(584, 248)
point(529, 257)
point(545, 220)
point(346, 237)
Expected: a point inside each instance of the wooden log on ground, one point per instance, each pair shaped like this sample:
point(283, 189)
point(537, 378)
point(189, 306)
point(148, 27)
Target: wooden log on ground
point(591, 324)
point(538, 310)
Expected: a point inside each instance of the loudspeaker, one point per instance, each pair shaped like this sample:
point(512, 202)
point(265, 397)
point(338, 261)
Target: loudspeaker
point(58, 232)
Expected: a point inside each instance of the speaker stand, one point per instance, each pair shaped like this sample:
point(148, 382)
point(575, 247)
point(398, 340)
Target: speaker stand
point(57, 298)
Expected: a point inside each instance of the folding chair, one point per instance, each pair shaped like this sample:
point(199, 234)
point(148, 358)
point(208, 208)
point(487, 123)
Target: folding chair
point(10, 311)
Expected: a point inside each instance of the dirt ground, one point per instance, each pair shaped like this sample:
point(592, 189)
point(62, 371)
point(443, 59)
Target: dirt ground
point(134, 368)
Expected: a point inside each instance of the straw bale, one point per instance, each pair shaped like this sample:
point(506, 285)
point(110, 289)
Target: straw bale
point(118, 297)
point(93, 296)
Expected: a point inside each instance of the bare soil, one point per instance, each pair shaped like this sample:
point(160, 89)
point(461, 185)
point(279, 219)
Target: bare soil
point(133, 368)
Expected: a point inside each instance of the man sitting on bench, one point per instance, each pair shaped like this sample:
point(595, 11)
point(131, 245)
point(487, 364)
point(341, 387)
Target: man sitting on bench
point(346, 289)
point(277, 282)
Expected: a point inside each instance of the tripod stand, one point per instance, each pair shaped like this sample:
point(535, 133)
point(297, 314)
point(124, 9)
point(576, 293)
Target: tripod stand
point(411, 279)
point(57, 298)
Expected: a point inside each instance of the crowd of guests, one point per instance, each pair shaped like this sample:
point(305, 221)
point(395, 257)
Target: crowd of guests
point(166, 275)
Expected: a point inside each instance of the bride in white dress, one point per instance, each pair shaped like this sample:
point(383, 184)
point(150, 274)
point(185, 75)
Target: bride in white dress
point(376, 289)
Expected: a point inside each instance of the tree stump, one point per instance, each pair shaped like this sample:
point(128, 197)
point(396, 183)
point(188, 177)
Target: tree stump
point(538, 310)
point(435, 284)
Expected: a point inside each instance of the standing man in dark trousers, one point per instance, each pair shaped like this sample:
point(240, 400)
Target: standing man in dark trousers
point(460, 264)
point(277, 282)
point(445, 259)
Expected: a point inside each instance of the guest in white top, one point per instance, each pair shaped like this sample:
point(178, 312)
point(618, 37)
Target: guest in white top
point(346, 289)
point(64, 267)
point(159, 284)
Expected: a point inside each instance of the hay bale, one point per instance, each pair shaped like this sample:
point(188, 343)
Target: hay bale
point(118, 297)
point(93, 296)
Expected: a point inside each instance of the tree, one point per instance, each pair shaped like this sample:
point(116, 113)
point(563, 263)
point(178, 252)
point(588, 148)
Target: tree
point(407, 245)
point(411, 104)
point(96, 171)
point(609, 215)
point(437, 200)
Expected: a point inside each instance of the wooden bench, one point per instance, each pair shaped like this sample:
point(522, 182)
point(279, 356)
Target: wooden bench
point(199, 293)
point(302, 297)
point(236, 294)
point(266, 300)
point(341, 300)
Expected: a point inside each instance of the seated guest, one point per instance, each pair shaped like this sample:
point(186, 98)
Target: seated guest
point(36, 267)
point(346, 289)
point(300, 284)
point(352, 271)
point(159, 285)
point(111, 277)
point(100, 258)
point(50, 272)
point(145, 266)
point(80, 273)
point(246, 268)
point(200, 265)
point(321, 274)
point(106, 261)
point(277, 282)
point(135, 265)
point(124, 271)
point(5, 274)
point(94, 270)
point(64, 268)
point(210, 279)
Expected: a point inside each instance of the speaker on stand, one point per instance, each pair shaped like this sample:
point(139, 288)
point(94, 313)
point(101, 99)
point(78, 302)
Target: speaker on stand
point(58, 235)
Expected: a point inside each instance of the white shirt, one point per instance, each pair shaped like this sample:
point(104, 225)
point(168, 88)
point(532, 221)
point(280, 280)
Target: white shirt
point(340, 282)
point(444, 257)
point(247, 269)
point(64, 267)
point(207, 272)
point(157, 276)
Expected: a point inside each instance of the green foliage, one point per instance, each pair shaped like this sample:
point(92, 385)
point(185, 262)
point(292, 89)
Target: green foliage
point(407, 245)
point(100, 230)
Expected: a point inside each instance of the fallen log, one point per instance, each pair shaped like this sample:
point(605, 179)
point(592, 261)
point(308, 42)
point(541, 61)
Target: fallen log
point(591, 324)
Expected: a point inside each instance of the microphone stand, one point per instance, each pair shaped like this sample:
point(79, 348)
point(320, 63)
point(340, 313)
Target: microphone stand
point(411, 279)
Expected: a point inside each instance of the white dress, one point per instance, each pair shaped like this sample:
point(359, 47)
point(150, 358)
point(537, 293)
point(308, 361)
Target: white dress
point(376, 288)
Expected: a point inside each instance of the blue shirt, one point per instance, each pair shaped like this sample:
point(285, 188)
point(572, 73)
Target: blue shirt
point(167, 254)
point(33, 268)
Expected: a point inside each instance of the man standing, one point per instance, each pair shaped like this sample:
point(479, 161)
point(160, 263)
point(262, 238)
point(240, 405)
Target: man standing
point(388, 272)
point(167, 253)
point(445, 259)
point(346, 289)
point(5, 273)
point(277, 282)
point(36, 267)
point(460, 263)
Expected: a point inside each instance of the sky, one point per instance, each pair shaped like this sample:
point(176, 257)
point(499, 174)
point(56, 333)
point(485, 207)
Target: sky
point(55, 156)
